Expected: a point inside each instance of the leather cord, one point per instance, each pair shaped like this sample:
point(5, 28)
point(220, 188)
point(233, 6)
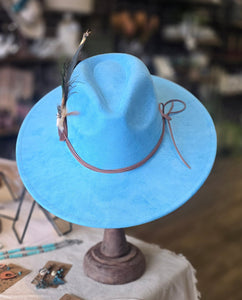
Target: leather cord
point(165, 117)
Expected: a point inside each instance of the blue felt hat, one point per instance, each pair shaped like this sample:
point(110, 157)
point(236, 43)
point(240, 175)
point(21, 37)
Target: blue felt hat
point(118, 165)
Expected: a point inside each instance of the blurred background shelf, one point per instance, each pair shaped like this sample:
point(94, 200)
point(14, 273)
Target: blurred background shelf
point(11, 131)
point(197, 43)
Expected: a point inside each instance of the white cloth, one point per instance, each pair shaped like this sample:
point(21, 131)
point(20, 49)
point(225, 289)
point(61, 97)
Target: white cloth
point(167, 277)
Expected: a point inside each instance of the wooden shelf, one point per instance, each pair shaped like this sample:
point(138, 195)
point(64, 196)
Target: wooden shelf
point(193, 2)
point(204, 42)
point(11, 131)
point(27, 59)
point(232, 59)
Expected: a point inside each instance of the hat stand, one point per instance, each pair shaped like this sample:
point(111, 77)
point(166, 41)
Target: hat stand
point(114, 260)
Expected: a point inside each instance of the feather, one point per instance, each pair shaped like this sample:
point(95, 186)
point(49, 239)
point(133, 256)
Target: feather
point(69, 67)
point(66, 84)
point(61, 115)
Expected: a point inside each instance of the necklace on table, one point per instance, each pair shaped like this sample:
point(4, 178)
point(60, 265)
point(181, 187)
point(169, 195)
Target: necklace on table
point(33, 250)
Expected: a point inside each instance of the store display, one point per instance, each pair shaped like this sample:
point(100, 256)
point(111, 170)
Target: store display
point(134, 30)
point(77, 6)
point(192, 147)
point(16, 85)
point(51, 275)
point(10, 274)
point(45, 48)
point(182, 41)
point(19, 5)
point(8, 45)
point(165, 36)
point(163, 67)
point(192, 34)
point(28, 17)
point(10, 177)
point(230, 84)
point(68, 35)
point(116, 153)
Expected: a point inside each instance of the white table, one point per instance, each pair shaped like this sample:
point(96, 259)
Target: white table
point(168, 276)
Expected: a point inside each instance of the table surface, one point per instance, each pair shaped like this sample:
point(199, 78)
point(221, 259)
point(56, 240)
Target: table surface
point(168, 276)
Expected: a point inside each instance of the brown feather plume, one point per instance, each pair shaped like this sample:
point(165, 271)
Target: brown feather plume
point(66, 76)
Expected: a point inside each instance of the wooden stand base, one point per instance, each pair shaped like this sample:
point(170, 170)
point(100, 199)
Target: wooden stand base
point(114, 261)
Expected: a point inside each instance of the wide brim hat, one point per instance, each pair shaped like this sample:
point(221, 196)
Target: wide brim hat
point(116, 121)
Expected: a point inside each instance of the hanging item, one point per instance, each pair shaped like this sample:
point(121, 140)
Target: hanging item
point(8, 45)
point(68, 35)
point(28, 17)
point(76, 6)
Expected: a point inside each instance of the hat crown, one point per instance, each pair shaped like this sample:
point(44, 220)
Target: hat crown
point(119, 122)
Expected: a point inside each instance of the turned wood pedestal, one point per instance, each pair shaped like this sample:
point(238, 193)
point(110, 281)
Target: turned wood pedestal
point(114, 260)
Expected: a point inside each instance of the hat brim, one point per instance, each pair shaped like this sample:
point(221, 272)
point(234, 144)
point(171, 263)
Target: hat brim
point(72, 192)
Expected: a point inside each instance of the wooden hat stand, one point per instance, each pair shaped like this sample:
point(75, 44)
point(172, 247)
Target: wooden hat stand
point(114, 260)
